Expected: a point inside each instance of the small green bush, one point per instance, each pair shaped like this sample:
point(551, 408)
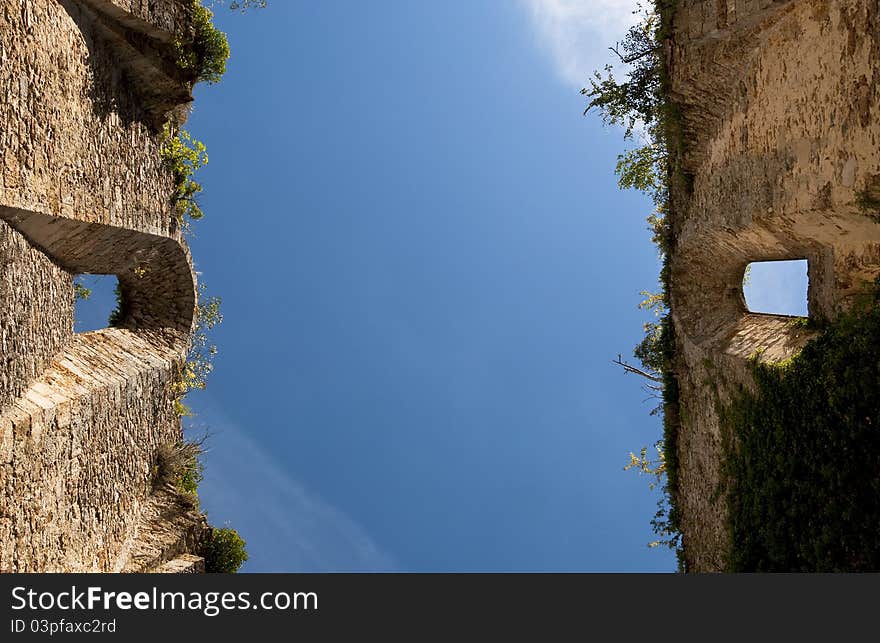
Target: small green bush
point(183, 156)
point(203, 54)
point(224, 551)
point(180, 465)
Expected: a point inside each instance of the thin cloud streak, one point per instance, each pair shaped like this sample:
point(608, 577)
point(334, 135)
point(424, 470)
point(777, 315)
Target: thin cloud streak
point(288, 527)
point(576, 33)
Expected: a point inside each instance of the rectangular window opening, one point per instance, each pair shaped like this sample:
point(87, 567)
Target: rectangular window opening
point(95, 302)
point(777, 287)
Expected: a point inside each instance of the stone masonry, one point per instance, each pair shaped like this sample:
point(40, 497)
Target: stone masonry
point(780, 106)
point(85, 86)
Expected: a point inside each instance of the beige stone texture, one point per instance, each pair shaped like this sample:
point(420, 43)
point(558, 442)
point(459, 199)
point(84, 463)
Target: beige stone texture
point(781, 126)
point(85, 86)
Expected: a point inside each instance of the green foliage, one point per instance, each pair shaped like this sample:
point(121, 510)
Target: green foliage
point(802, 455)
point(180, 464)
point(202, 54)
point(80, 291)
point(191, 477)
point(118, 315)
point(665, 522)
point(639, 104)
point(224, 551)
point(802, 323)
point(643, 464)
point(200, 356)
point(656, 468)
point(183, 155)
point(639, 97)
point(201, 351)
point(637, 169)
point(650, 351)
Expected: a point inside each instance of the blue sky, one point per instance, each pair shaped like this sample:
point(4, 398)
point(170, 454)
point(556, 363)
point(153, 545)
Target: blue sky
point(426, 269)
point(777, 287)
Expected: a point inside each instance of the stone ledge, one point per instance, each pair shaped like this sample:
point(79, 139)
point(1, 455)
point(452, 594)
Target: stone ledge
point(169, 528)
point(183, 564)
point(158, 19)
point(145, 50)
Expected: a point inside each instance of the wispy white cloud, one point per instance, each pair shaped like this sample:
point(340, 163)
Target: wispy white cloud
point(576, 33)
point(288, 527)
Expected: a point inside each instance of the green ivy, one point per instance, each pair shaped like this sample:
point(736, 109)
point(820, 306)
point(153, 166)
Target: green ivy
point(802, 455)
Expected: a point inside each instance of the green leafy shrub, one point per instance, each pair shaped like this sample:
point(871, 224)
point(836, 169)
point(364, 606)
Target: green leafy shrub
point(802, 455)
point(183, 156)
point(200, 356)
point(80, 291)
point(224, 551)
point(192, 476)
point(203, 53)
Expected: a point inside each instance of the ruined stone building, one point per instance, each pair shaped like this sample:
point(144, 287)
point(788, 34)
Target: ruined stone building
point(85, 88)
point(780, 112)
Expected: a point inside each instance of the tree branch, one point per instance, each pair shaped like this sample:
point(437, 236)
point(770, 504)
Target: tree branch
point(628, 60)
point(629, 368)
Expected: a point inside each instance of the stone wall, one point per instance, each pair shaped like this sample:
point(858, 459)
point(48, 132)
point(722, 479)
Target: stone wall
point(40, 322)
point(78, 450)
point(74, 139)
point(780, 105)
point(85, 87)
point(158, 19)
